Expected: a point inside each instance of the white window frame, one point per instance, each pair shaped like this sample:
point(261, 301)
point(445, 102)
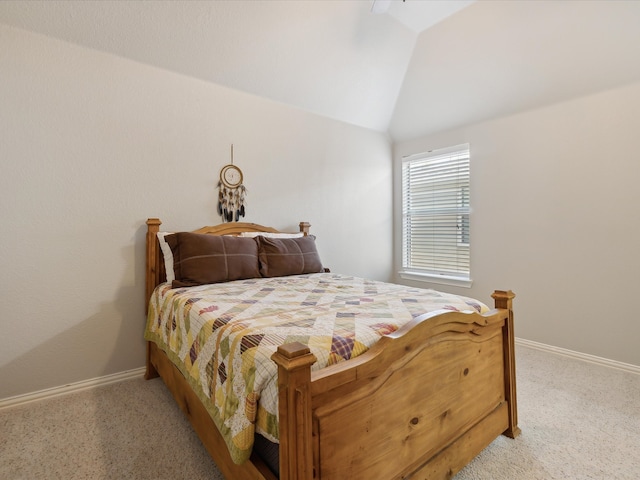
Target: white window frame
point(440, 251)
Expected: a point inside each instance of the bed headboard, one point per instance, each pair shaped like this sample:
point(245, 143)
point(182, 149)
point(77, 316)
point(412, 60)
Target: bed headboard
point(155, 273)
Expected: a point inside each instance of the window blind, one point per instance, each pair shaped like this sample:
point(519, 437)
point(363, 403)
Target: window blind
point(435, 213)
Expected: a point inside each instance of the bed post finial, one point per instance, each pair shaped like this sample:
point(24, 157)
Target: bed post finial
point(294, 362)
point(504, 299)
point(304, 228)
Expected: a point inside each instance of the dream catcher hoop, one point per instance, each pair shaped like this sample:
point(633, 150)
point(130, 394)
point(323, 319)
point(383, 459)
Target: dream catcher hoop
point(232, 192)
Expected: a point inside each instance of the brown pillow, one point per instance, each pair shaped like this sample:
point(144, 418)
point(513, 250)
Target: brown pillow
point(288, 256)
point(199, 258)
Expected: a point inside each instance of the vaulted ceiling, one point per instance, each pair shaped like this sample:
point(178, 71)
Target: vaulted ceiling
point(418, 68)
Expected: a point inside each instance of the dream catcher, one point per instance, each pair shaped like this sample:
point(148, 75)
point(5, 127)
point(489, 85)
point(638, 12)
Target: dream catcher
point(232, 192)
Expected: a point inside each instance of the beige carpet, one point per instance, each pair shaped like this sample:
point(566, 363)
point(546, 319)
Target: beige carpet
point(579, 421)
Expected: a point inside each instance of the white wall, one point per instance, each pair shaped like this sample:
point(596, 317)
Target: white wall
point(556, 210)
point(93, 144)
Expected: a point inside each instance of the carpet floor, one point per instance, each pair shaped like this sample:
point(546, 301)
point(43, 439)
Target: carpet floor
point(579, 421)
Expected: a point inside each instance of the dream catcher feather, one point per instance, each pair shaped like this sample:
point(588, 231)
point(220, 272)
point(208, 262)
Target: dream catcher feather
point(232, 194)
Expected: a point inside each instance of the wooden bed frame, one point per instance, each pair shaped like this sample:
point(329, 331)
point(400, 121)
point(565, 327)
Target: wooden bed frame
point(420, 404)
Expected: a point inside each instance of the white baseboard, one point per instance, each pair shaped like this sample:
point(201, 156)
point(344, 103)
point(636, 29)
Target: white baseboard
point(585, 357)
point(70, 388)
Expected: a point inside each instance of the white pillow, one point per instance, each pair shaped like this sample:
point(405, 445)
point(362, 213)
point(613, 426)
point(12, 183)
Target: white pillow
point(168, 256)
point(271, 235)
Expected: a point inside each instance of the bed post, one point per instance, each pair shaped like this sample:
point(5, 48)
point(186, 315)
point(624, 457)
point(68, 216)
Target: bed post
point(304, 228)
point(504, 299)
point(294, 362)
point(152, 280)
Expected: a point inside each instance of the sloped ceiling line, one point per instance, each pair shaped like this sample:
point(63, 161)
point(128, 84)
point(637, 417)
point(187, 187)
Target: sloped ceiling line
point(420, 68)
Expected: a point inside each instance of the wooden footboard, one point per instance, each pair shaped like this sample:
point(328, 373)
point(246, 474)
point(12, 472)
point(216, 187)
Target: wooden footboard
point(420, 404)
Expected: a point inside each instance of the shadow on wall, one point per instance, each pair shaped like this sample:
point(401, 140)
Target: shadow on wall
point(108, 342)
point(119, 438)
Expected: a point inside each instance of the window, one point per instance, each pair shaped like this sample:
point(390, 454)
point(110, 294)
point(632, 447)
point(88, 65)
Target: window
point(435, 216)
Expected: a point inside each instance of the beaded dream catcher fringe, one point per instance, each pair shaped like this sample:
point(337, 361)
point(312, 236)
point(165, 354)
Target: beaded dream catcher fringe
point(231, 202)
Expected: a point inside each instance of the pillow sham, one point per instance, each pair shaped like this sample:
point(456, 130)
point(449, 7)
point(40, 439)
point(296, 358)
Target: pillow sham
point(199, 258)
point(288, 256)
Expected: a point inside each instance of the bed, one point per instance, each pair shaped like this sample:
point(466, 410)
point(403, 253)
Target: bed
point(421, 401)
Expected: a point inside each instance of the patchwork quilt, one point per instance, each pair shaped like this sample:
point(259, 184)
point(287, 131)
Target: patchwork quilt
point(221, 336)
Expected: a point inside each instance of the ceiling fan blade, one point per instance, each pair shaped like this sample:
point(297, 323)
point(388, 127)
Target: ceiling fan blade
point(380, 6)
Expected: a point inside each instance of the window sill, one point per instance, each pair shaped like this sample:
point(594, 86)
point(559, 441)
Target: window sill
point(438, 279)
